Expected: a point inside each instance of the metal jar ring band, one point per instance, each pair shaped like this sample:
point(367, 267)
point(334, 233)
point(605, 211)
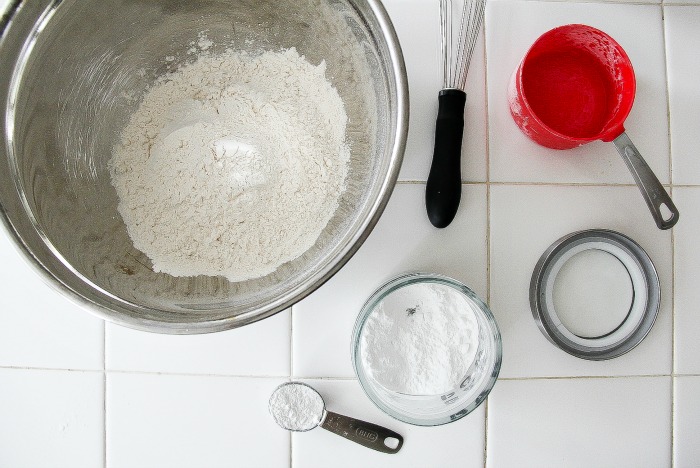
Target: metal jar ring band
point(642, 313)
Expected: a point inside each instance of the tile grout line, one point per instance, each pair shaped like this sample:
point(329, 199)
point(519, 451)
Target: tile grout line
point(104, 393)
point(291, 341)
point(104, 419)
point(673, 247)
point(585, 377)
point(597, 2)
point(316, 377)
point(488, 220)
point(486, 431)
point(173, 374)
point(488, 177)
point(673, 341)
point(668, 95)
point(549, 184)
point(291, 371)
point(329, 378)
point(57, 369)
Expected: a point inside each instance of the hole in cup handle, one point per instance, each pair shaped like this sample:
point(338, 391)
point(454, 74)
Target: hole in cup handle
point(666, 212)
point(659, 202)
point(391, 442)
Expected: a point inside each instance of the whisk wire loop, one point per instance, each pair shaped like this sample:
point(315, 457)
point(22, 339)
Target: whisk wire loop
point(446, 40)
point(472, 16)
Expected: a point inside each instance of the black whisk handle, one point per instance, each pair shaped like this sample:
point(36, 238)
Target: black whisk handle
point(444, 188)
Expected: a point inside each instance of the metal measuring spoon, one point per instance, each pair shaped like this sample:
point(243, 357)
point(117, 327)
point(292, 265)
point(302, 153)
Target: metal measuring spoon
point(370, 435)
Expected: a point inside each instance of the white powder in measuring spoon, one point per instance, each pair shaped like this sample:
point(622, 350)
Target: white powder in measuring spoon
point(232, 165)
point(296, 407)
point(420, 340)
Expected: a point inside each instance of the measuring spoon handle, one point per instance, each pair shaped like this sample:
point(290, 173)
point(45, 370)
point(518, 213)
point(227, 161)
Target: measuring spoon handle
point(364, 433)
point(654, 193)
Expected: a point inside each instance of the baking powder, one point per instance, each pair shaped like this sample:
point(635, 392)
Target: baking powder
point(420, 340)
point(296, 407)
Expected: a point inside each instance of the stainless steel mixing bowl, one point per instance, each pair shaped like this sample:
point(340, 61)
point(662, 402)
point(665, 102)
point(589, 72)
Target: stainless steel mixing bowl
point(72, 71)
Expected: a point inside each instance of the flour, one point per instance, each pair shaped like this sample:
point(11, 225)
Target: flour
point(296, 407)
point(420, 340)
point(232, 165)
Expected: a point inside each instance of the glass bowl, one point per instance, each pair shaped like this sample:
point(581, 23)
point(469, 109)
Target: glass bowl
point(71, 74)
point(434, 410)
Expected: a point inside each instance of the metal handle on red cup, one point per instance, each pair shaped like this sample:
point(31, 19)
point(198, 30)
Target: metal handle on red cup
point(370, 435)
point(653, 192)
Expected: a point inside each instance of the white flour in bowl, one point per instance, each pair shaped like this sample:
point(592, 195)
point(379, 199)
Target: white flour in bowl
point(232, 165)
point(420, 340)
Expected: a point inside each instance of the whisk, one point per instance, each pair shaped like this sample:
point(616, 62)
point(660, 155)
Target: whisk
point(444, 188)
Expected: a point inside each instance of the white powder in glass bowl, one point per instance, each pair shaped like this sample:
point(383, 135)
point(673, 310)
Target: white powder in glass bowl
point(420, 340)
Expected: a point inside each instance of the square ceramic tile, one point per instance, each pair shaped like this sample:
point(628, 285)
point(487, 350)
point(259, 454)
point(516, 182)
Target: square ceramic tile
point(511, 28)
point(459, 444)
point(38, 326)
point(186, 421)
point(686, 451)
point(682, 43)
point(261, 348)
point(417, 24)
point(621, 422)
point(403, 241)
point(687, 319)
point(51, 418)
point(525, 221)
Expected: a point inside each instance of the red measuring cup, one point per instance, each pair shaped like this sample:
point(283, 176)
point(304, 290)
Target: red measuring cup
point(576, 85)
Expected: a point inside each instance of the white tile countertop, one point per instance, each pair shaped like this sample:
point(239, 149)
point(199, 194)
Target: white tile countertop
point(77, 392)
